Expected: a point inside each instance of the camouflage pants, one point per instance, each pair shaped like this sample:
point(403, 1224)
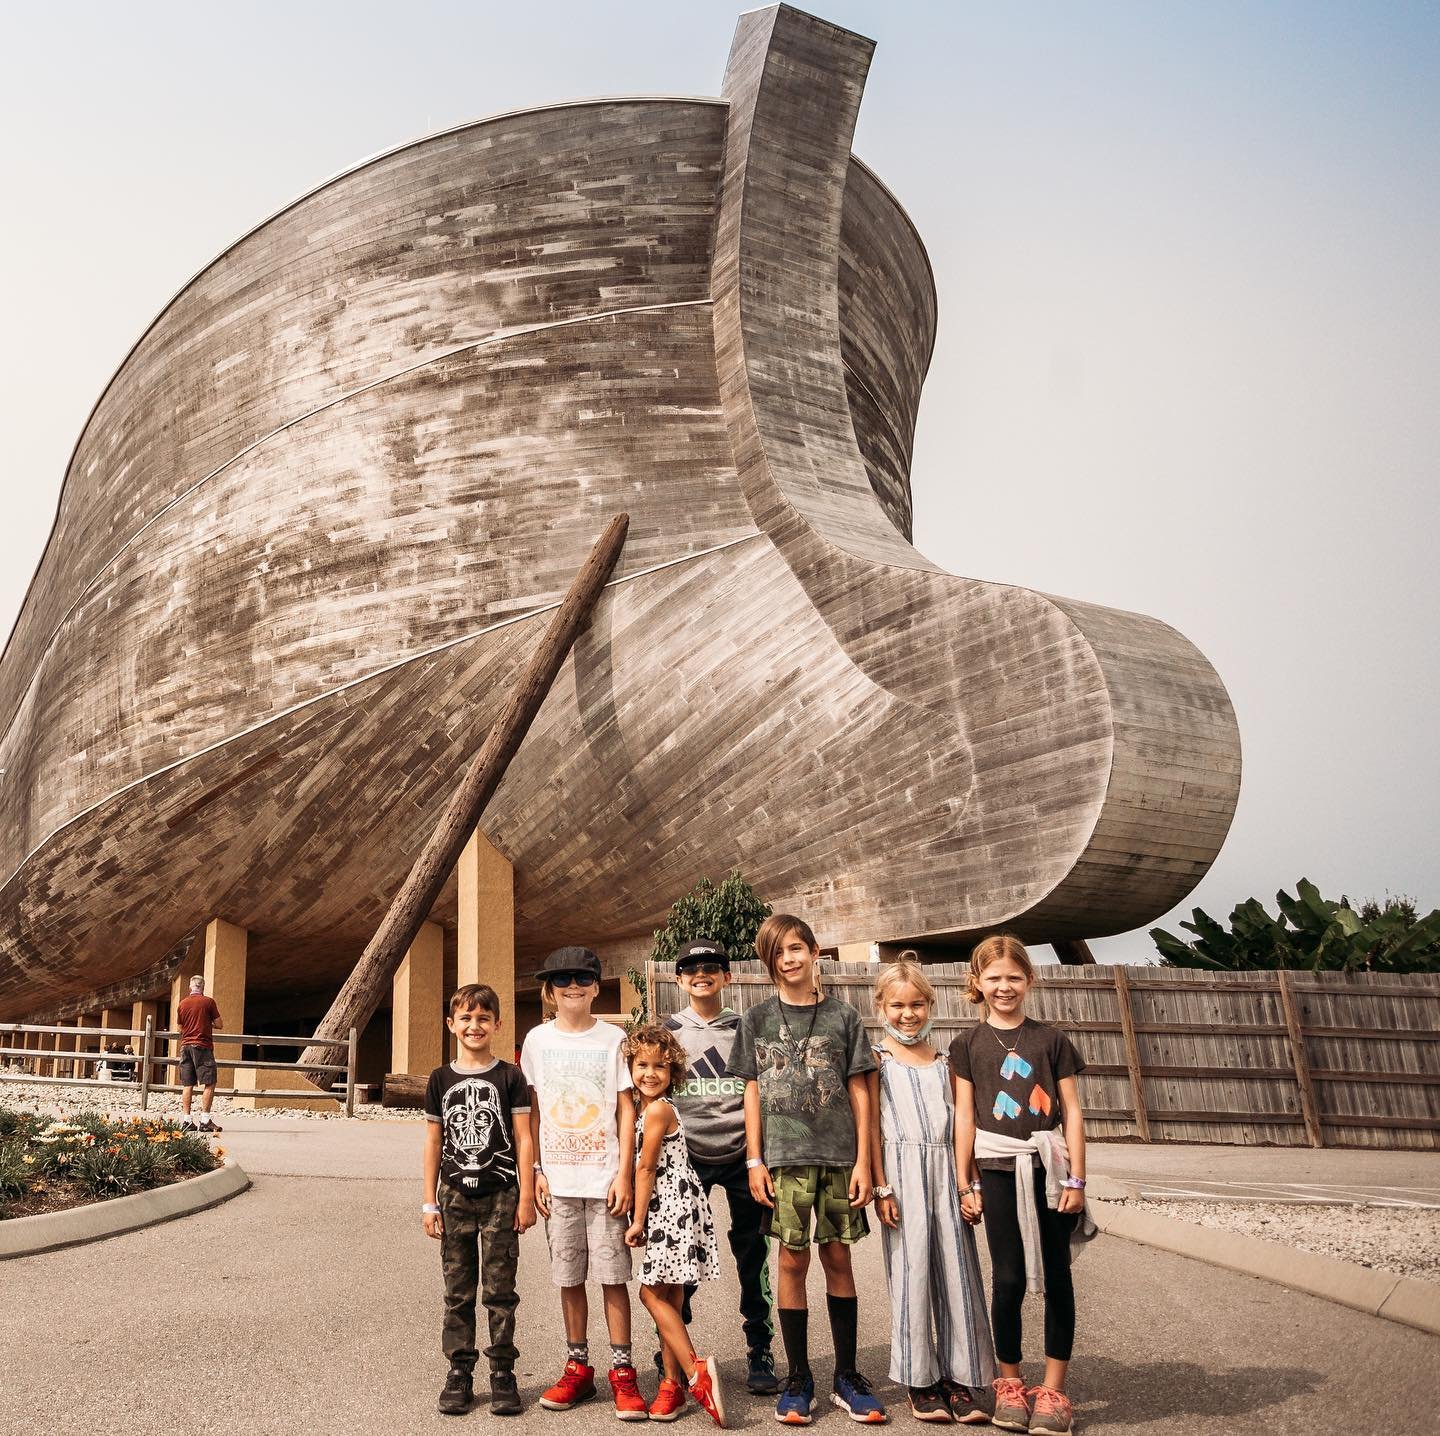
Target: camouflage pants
point(478, 1255)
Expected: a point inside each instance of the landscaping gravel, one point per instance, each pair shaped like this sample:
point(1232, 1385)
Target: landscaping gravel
point(123, 1099)
point(1403, 1240)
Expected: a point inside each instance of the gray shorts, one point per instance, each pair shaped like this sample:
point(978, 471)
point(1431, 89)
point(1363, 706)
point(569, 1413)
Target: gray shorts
point(197, 1066)
point(585, 1240)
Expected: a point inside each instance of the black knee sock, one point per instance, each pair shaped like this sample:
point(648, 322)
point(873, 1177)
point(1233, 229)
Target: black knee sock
point(794, 1332)
point(844, 1321)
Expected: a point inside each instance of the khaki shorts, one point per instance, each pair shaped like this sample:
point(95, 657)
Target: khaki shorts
point(586, 1241)
point(823, 1192)
point(197, 1066)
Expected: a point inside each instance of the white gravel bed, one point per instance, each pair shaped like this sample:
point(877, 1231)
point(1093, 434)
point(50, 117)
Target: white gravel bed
point(123, 1100)
point(1400, 1239)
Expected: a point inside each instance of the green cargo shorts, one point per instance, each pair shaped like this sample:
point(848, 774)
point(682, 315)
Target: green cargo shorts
point(823, 1191)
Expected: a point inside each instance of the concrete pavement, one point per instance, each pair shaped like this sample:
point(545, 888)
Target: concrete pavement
point(311, 1303)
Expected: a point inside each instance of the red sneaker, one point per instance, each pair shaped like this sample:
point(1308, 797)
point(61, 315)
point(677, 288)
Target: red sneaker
point(669, 1401)
point(576, 1384)
point(705, 1388)
point(629, 1403)
point(1012, 1408)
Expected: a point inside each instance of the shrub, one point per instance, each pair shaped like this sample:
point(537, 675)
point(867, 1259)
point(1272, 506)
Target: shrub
point(730, 913)
point(1310, 932)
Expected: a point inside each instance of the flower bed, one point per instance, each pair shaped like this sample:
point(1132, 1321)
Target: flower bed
point(48, 1165)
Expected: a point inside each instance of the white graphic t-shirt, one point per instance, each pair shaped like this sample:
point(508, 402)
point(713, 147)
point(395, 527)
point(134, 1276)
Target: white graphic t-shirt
point(577, 1077)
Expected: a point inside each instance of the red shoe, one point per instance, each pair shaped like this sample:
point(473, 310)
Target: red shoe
point(629, 1403)
point(669, 1401)
point(576, 1384)
point(705, 1388)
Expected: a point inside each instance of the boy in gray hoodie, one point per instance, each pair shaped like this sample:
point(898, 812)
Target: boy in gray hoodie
point(712, 1109)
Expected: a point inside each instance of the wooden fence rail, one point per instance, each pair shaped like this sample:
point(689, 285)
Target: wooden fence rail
point(1174, 1055)
point(47, 1061)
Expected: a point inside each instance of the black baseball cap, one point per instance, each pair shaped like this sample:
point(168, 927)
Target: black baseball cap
point(702, 949)
point(578, 960)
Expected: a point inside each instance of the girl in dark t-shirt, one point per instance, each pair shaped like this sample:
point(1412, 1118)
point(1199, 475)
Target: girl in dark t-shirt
point(1015, 1083)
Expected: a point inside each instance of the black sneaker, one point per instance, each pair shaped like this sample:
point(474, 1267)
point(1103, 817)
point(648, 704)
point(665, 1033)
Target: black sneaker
point(760, 1379)
point(186, 1125)
point(964, 1404)
point(459, 1392)
point(928, 1403)
point(504, 1394)
point(210, 1127)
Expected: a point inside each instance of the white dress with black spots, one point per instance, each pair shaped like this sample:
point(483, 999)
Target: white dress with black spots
point(680, 1246)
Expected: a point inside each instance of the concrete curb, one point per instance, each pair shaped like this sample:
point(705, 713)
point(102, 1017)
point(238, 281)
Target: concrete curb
point(27, 1236)
point(1379, 1293)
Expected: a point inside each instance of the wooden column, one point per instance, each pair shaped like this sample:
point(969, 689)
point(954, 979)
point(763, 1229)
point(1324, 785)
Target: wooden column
point(225, 948)
point(191, 964)
point(1309, 1109)
point(417, 1005)
point(1132, 1051)
point(114, 1017)
point(485, 938)
point(139, 1012)
point(61, 1042)
point(84, 1042)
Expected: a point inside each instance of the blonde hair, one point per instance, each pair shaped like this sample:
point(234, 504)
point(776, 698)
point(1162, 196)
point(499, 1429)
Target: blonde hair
point(992, 949)
point(905, 969)
point(665, 1043)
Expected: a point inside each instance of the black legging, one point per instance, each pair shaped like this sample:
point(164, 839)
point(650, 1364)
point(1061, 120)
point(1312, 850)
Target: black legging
point(1007, 1262)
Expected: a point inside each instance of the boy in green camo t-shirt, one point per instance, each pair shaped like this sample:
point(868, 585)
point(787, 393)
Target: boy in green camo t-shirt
point(807, 1140)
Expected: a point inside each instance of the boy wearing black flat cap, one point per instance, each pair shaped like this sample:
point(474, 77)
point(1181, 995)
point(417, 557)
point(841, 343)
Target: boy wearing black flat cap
point(584, 1125)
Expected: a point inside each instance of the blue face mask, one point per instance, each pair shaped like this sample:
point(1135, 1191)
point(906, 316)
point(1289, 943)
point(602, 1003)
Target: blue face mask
point(905, 1039)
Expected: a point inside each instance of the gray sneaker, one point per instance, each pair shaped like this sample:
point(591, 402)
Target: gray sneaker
point(1012, 1411)
point(1051, 1414)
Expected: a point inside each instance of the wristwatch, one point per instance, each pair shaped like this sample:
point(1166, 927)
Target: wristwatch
point(884, 1191)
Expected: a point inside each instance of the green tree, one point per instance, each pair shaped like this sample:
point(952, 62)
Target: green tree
point(730, 913)
point(1310, 932)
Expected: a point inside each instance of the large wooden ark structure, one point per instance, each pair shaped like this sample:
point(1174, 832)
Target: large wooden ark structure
point(320, 515)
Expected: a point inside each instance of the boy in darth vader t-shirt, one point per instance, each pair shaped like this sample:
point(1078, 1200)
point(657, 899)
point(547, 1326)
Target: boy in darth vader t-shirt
point(479, 1196)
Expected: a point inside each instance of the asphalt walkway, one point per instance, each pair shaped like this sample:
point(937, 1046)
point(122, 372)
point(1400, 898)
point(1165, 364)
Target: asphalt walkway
point(311, 1304)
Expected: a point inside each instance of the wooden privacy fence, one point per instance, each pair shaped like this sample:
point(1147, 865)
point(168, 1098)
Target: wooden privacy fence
point(48, 1061)
point(1174, 1055)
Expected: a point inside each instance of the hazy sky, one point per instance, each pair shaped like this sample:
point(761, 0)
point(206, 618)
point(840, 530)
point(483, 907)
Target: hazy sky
point(1189, 308)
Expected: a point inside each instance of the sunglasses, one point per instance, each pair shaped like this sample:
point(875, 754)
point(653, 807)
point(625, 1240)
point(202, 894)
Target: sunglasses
point(565, 979)
point(705, 969)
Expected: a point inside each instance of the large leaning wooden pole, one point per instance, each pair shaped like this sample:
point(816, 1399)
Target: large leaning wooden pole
point(364, 989)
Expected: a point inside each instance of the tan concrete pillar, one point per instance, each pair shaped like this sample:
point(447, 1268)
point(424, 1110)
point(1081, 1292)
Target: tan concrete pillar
point(629, 995)
point(139, 1011)
point(225, 948)
point(61, 1042)
point(418, 1005)
point(86, 1042)
point(485, 939)
point(191, 964)
point(114, 1017)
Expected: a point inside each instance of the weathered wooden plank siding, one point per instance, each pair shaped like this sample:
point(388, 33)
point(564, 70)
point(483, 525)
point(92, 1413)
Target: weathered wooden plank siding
point(1215, 1059)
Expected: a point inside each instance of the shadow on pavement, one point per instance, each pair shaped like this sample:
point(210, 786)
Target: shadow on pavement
point(1125, 1393)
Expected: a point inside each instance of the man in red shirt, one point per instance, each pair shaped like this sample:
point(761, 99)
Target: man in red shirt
point(197, 1017)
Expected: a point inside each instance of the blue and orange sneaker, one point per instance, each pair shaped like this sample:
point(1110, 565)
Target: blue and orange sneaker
point(852, 1394)
point(797, 1396)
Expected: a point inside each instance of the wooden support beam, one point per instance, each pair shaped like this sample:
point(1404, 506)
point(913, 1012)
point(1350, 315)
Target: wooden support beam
point(1073, 952)
point(1132, 1051)
point(364, 989)
point(1309, 1108)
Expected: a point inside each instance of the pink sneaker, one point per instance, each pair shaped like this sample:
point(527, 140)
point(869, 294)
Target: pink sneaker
point(1012, 1410)
point(1051, 1414)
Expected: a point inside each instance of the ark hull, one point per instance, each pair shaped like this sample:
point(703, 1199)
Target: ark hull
point(320, 515)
